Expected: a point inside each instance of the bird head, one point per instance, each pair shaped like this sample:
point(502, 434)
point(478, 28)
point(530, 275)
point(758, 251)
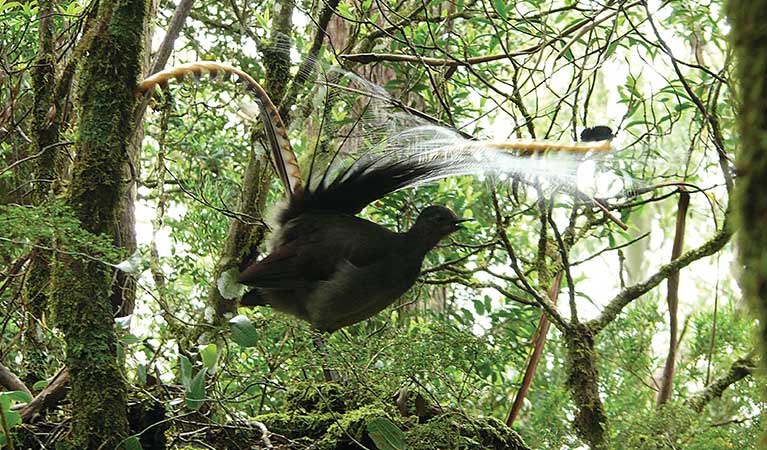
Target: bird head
point(437, 222)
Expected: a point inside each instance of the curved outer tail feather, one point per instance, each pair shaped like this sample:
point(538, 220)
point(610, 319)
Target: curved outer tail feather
point(284, 159)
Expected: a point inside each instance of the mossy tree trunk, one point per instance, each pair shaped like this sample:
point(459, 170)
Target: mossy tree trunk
point(45, 132)
point(243, 239)
point(82, 305)
point(749, 40)
point(583, 383)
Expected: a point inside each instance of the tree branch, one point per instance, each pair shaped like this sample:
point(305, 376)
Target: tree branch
point(47, 398)
point(10, 381)
point(626, 296)
point(673, 301)
point(739, 370)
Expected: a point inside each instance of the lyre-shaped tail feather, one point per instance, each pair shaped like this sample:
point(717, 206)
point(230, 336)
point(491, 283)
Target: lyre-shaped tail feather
point(284, 158)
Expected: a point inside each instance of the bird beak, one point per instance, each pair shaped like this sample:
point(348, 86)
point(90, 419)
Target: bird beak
point(457, 222)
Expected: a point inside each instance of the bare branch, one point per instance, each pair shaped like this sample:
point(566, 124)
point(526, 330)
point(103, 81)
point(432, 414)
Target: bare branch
point(10, 381)
point(673, 301)
point(47, 398)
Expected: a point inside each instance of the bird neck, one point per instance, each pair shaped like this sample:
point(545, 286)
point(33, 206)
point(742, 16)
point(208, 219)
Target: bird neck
point(421, 239)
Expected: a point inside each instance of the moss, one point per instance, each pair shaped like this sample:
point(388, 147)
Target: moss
point(582, 383)
point(98, 392)
point(295, 426)
point(749, 41)
point(350, 429)
point(452, 431)
point(81, 301)
point(312, 397)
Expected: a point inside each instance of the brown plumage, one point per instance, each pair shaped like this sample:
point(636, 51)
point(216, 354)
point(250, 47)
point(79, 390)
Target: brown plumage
point(334, 269)
point(328, 266)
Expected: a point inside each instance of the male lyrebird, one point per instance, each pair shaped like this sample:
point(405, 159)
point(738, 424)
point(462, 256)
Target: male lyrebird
point(326, 265)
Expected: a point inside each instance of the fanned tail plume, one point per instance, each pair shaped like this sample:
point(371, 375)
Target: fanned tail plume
point(379, 149)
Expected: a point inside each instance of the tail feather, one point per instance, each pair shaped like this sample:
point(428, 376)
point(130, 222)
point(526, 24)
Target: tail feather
point(427, 153)
point(283, 157)
point(253, 297)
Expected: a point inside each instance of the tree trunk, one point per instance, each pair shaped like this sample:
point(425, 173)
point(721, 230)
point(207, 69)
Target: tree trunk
point(45, 132)
point(583, 383)
point(243, 239)
point(81, 304)
point(749, 40)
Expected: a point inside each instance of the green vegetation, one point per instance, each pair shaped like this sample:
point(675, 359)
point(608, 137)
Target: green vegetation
point(119, 223)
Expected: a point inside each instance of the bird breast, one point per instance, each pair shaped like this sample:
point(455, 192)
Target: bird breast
point(356, 293)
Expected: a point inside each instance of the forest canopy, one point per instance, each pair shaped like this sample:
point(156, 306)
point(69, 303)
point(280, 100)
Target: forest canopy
point(595, 300)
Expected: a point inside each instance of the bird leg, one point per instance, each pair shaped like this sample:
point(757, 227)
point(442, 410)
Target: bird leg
point(329, 374)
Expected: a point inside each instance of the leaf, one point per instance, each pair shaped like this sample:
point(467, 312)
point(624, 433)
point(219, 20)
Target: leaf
point(243, 331)
point(502, 8)
point(228, 285)
point(195, 393)
point(123, 323)
point(132, 443)
point(16, 396)
point(386, 435)
point(186, 371)
point(130, 339)
point(12, 418)
point(141, 373)
point(209, 355)
point(9, 5)
point(132, 264)
point(40, 385)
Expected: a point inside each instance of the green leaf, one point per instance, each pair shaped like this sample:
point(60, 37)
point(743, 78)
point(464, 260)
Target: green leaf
point(132, 443)
point(16, 396)
point(502, 8)
point(129, 339)
point(9, 5)
point(186, 371)
point(243, 331)
point(195, 393)
point(386, 435)
point(40, 385)
point(141, 372)
point(12, 418)
point(209, 355)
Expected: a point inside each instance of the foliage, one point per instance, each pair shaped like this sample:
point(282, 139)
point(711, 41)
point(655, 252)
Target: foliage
point(660, 76)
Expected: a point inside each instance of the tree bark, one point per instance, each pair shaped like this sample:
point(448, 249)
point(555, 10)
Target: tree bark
point(45, 133)
point(583, 384)
point(749, 41)
point(81, 304)
point(673, 302)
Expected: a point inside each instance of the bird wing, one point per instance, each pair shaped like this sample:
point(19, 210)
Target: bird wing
point(281, 269)
point(313, 252)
